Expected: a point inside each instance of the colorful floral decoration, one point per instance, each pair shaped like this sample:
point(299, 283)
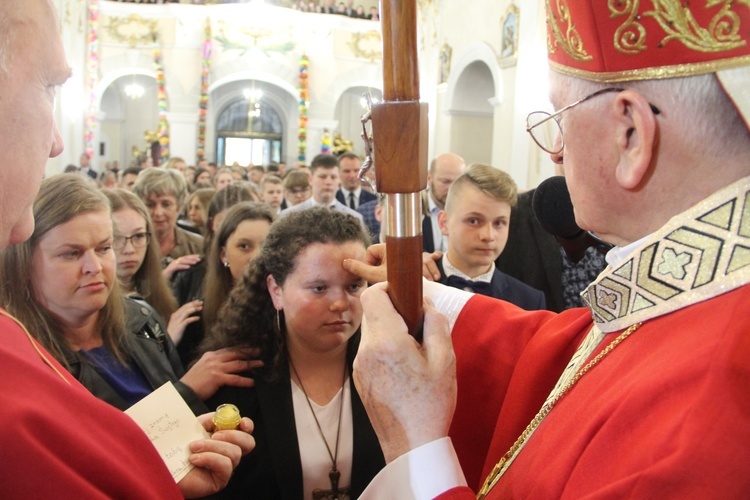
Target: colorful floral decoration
point(161, 95)
point(326, 142)
point(92, 75)
point(203, 103)
point(304, 99)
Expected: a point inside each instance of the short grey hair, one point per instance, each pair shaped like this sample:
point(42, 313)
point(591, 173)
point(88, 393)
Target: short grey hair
point(707, 116)
point(162, 182)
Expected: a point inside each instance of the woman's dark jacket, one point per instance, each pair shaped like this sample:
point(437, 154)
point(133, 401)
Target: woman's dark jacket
point(149, 348)
point(273, 469)
point(187, 285)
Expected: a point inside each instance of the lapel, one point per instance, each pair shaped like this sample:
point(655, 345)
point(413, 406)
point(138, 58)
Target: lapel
point(340, 196)
point(499, 284)
point(275, 402)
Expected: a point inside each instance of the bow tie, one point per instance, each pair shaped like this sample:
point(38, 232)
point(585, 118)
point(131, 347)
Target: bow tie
point(481, 287)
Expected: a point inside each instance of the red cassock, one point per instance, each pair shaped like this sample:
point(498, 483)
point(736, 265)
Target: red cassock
point(59, 441)
point(666, 414)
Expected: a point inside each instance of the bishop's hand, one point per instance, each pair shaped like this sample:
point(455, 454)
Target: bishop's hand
point(408, 389)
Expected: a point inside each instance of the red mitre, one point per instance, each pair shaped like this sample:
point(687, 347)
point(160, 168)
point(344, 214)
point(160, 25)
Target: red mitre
point(621, 40)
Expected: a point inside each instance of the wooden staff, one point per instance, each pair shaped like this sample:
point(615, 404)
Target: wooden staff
point(399, 129)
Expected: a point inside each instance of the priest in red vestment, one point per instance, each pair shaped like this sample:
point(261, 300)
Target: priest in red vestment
point(645, 393)
point(57, 440)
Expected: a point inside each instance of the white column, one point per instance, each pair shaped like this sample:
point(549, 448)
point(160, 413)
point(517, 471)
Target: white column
point(183, 135)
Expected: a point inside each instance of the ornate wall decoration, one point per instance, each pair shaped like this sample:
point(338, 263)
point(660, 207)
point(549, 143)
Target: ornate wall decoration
point(163, 103)
point(304, 100)
point(253, 37)
point(509, 34)
point(367, 45)
point(446, 53)
point(133, 30)
point(92, 76)
point(203, 103)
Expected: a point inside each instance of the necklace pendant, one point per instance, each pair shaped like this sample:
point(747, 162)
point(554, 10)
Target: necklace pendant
point(334, 476)
point(334, 493)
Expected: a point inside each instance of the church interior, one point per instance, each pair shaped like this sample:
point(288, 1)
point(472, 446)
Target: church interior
point(260, 81)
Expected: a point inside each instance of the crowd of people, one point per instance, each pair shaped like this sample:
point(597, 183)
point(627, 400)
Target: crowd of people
point(259, 286)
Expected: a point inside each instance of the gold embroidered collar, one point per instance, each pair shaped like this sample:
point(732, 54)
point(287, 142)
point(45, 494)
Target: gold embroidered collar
point(699, 254)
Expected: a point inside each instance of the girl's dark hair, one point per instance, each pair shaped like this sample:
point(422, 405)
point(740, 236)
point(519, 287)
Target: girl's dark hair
point(224, 198)
point(248, 318)
point(218, 282)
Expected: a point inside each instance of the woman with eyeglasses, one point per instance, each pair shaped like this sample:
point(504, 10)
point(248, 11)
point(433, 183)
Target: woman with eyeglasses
point(116, 346)
point(138, 262)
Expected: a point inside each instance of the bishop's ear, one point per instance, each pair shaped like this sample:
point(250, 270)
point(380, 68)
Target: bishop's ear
point(636, 131)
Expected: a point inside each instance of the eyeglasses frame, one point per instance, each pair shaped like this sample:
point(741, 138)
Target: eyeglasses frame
point(559, 112)
point(125, 240)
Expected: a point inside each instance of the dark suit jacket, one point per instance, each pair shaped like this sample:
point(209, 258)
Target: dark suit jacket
point(273, 470)
point(428, 240)
point(532, 255)
point(364, 197)
point(509, 289)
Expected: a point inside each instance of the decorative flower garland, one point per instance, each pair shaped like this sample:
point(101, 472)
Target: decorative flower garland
point(92, 75)
point(203, 103)
point(304, 99)
point(325, 142)
point(161, 94)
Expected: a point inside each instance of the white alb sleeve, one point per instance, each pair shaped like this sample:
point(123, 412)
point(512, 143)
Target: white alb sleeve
point(421, 474)
point(447, 299)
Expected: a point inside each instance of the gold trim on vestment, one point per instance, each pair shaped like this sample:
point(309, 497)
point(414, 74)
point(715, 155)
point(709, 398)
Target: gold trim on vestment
point(699, 254)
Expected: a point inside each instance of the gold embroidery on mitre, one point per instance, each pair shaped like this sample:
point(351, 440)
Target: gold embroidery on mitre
point(630, 37)
point(570, 41)
point(652, 73)
point(678, 22)
point(699, 254)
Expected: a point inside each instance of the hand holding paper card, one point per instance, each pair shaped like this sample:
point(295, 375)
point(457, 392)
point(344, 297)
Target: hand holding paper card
point(170, 425)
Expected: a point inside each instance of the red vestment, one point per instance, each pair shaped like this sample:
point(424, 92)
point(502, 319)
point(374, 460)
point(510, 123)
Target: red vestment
point(59, 441)
point(665, 414)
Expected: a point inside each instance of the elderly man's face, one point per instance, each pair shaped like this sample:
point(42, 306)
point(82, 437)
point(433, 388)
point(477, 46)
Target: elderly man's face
point(589, 158)
point(28, 133)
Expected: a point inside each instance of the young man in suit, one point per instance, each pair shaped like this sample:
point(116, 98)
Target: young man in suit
point(475, 222)
point(324, 182)
point(351, 193)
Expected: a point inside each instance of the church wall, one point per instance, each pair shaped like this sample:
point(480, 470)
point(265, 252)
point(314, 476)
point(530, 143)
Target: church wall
point(343, 53)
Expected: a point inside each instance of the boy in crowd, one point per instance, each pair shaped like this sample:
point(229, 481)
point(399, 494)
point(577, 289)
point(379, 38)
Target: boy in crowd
point(272, 192)
point(475, 222)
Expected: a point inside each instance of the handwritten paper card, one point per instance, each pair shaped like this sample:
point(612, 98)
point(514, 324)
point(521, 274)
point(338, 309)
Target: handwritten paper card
point(170, 425)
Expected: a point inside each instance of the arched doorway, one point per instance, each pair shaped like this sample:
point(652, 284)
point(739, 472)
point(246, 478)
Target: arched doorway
point(249, 130)
point(472, 115)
